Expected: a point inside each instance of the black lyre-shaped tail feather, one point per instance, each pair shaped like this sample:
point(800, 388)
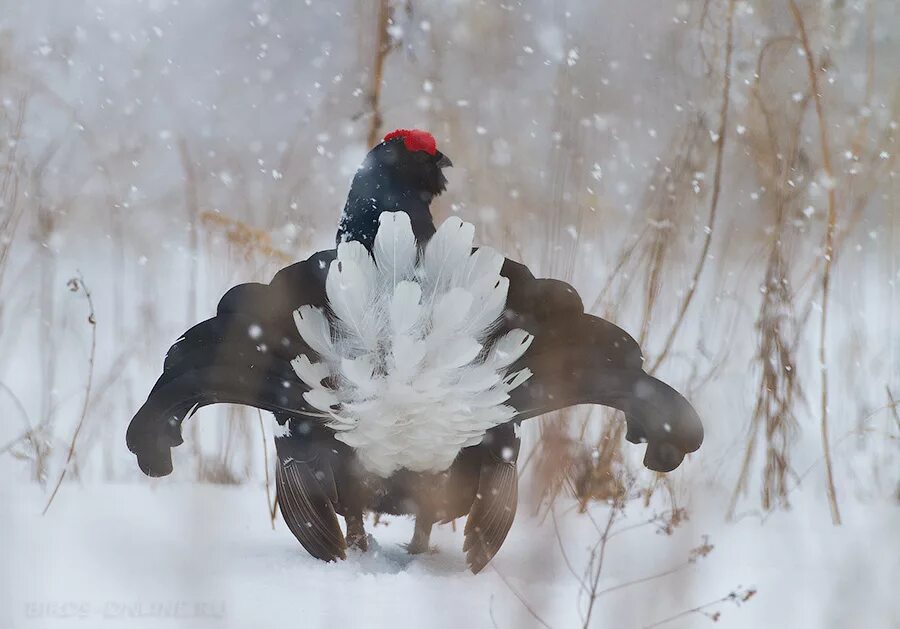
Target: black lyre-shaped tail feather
point(306, 500)
point(240, 356)
point(577, 358)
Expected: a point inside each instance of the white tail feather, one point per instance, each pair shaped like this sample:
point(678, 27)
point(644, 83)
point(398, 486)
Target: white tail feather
point(411, 381)
point(509, 348)
point(450, 312)
point(458, 354)
point(349, 290)
point(311, 374)
point(322, 399)
point(313, 327)
point(446, 252)
point(395, 247)
point(491, 306)
point(354, 252)
point(405, 307)
point(407, 354)
point(361, 373)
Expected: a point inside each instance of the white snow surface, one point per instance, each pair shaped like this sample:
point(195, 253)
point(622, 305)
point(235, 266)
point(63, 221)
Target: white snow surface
point(183, 555)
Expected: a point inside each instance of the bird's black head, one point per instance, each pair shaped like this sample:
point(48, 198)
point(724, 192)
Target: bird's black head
point(403, 173)
point(411, 159)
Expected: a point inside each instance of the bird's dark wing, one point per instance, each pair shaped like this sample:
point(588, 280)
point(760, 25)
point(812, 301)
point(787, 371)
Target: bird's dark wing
point(240, 356)
point(577, 358)
point(495, 503)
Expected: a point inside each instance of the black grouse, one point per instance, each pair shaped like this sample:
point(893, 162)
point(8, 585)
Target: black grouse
point(399, 367)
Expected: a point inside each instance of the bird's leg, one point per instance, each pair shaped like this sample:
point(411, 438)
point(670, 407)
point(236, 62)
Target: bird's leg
point(356, 532)
point(421, 535)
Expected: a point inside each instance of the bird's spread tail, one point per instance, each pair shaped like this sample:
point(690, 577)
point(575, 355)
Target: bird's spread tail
point(409, 368)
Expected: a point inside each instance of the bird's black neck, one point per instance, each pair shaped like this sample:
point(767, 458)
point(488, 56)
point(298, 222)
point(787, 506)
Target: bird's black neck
point(373, 193)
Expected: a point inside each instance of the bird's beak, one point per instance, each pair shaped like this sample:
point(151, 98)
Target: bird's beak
point(444, 161)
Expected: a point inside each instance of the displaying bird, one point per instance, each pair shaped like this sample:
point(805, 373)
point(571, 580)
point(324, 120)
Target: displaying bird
point(399, 367)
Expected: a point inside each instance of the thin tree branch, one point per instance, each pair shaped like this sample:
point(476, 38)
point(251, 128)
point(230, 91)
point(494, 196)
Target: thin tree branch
point(75, 284)
point(562, 550)
point(736, 597)
point(604, 538)
point(652, 577)
point(893, 406)
point(521, 598)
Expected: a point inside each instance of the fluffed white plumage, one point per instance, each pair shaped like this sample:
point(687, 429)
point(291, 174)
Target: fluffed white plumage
point(403, 373)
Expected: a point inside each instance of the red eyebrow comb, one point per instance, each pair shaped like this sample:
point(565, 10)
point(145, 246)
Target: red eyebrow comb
point(414, 140)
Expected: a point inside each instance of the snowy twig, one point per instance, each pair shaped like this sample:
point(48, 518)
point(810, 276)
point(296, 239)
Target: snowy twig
point(30, 430)
point(562, 549)
point(192, 205)
point(521, 598)
point(652, 577)
point(714, 202)
point(75, 284)
point(491, 612)
point(893, 406)
point(696, 553)
point(829, 251)
point(737, 597)
point(604, 538)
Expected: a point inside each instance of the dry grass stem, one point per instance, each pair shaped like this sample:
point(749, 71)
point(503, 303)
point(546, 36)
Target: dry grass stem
point(77, 284)
point(716, 191)
point(382, 49)
point(739, 596)
point(519, 596)
point(828, 253)
point(249, 239)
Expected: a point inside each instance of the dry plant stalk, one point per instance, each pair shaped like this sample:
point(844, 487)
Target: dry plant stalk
point(892, 405)
point(561, 461)
point(192, 205)
point(780, 166)
point(598, 553)
point(595, 567)
point(671, 195)
point(737, 596)
point(695, 555)
point(77, 284)
point(519, 596)
point(777, 390)
point(9, 186)
point(829, 253)
point(382, 49)
point(250, 239)
point(564, 464)
point(716, 190)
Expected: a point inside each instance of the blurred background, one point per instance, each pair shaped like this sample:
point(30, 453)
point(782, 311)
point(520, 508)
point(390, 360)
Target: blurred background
point(718, 177)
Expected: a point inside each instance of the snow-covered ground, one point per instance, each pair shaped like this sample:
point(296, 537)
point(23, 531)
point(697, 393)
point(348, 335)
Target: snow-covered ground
point(184, 555)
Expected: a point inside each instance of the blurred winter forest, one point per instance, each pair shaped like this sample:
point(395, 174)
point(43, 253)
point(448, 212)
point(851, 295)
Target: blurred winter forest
point(718, 177)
